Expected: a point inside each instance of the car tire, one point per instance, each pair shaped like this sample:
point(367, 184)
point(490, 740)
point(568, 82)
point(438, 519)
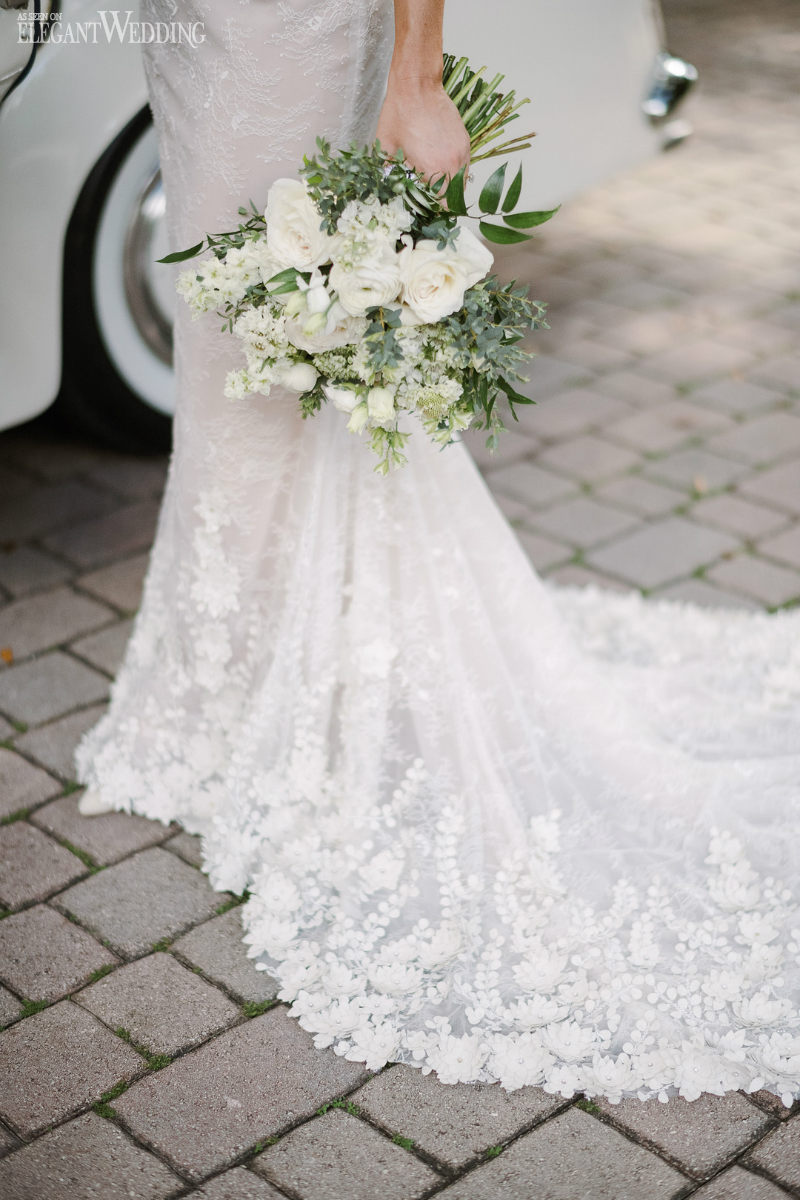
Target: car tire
point(117, 381)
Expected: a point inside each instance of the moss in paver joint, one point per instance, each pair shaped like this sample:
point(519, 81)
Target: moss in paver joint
point(493, 1151)
point(29, 1007)
point(85, 858)
point(19, 815)
point(406, 1143)
point(103, 1107)
point(164, 944)
point(154, 1061)
point(254, 1008)
point(587, 1105)
point(20, 726)
point(101, 972)
point(262, 1145)
point(71, 786)
point(227, 905)
point(341, 1102)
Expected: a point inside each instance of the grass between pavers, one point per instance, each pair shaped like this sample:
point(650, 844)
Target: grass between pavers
point(19, 815)
point(341, 1102)
point(588, 1106)
point(29, 1007)
point(71, 786)
point(405, 1142)
point(263, 1144)
point(493, 1151)
point(154, 1062)
point(254, 1008)
point(85, 858)
point(103, 1106)
point(164, 944)
point(101, 972)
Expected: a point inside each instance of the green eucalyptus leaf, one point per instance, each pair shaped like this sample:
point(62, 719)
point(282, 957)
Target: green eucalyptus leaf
point(513, 193)
point(454, 196)
point(182, 255)
point(492, 190)
point(500, 235)
point(526, 220)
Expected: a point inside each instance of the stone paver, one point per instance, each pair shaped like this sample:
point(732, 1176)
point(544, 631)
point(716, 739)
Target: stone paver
point(187, 846)
point(10, 1007)
point(697, 469)
point(164, 1007)
point(779, 1154)
point(777, 486)
point(106, 837)
point(566, 414)
point(764, 581)
point(206, 1108)
point(53, 744)
point(736, 396)
point(657, 430)
point(43, 956)
point(48, 686)
point(120, 583)
point(584, 522)
point(640, 495)
point(698, 1135)
point(571, 1156)
point(531, 483)
point(22, 785)
point(26, 569)
point(763, 440)
point(140, 901)
point(57, 1062)
point(736, 1184)
point(48, 507)
point(86, 1159)
point(48, 619)
point(216, 947)
point(784, 546)
point(106, 648)
point(33, 866)
point(454, 1123)
point(698, 591)
point(662, 551)
point(90, 543)
point(237, 1184)
point(588, 458)
point(339, 1157)
point(738, 516)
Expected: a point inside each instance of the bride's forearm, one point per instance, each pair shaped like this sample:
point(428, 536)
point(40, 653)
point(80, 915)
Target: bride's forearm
point(418, 41)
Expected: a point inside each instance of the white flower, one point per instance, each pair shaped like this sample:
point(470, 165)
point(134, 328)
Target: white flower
point(358, 418)
point(338, 329)
point(375, 280)
point(434, 281)
point(458, 1059)
point(343, 398)
point(294, 236)
point(380, 405)
point(519, 1061)
point(299, 377)
point(374, 1047)
point(396, 978)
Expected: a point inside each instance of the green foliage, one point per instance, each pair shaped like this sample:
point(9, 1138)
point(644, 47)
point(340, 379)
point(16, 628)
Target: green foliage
point(164, 944)
point(347, 1105)
point(85, 858)
point(101, 972)
point(254, 1008)
point(406, 1143)
point(29, 1007)
point(587, 1105)
point(227, 905)
point(19, 815)
point(493, 1151)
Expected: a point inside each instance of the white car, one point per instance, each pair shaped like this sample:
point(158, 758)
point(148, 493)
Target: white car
point(86, 311)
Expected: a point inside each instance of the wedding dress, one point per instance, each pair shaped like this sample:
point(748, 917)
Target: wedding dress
point(489, 827)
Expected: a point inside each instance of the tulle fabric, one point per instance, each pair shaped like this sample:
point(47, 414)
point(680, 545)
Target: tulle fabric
point(489, 827)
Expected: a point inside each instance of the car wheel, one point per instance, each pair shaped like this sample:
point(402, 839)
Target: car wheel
point(118, 302)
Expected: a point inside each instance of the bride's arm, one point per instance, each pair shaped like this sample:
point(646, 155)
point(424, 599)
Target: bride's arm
point(417, 113)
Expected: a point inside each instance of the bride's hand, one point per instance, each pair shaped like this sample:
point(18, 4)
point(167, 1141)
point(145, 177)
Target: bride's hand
point(420, 118)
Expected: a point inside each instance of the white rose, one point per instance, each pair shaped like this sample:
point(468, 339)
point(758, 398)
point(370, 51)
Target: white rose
point(434, 281)
point(380, 404)
point(294, 237)
point(339, 329)
point(343, 398)
point(299, 377)
point(375, 280)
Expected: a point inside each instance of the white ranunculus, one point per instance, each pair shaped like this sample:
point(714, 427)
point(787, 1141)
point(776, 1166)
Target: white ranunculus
point(299, 377)
point(375, 280)
point(380, 404)
point(343, 398)
point(434, 281)
point(294, 237)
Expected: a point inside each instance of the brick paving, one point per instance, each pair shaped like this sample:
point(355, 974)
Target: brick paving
point(142, 1055)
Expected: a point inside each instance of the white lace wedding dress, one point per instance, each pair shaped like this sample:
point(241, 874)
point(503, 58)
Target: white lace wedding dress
point(488, 827)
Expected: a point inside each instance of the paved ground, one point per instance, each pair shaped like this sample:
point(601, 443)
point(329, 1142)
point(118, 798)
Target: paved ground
point(665, 454)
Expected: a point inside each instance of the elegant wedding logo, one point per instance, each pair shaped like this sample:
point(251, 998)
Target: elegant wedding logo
point(111, 25)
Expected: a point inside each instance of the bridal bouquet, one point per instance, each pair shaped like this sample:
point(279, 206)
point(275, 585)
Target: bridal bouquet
point(362, 285)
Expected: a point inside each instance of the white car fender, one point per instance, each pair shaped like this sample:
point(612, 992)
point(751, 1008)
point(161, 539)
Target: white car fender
point(52, 132)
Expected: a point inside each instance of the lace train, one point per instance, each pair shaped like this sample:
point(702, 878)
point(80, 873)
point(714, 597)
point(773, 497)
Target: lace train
point(489, 827)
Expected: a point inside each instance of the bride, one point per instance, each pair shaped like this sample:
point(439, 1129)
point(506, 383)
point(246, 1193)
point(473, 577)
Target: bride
point(488, 827)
